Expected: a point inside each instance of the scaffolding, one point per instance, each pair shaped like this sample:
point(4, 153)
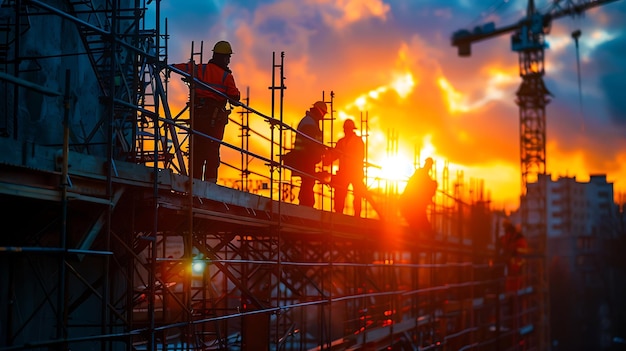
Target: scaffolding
point(122, 250)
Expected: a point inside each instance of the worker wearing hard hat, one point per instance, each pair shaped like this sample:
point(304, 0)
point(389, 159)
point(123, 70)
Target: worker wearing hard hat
point(210, 114)
point(350, 151)
point(417, 197)
point(308, 150)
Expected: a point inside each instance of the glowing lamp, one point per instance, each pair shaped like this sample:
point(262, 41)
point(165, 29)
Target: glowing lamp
point(197, 267)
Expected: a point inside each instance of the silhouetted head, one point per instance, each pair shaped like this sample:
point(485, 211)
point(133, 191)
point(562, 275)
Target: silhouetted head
point(348, 126)
point(319, 110)
point(428, 163)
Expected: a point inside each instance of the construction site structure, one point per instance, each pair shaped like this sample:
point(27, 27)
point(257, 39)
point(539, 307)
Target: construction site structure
point(108, 243)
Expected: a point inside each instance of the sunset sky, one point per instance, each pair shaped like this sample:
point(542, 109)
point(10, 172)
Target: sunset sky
point(393, 62)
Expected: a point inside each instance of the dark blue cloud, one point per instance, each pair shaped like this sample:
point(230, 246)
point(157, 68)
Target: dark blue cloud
point(612, 80)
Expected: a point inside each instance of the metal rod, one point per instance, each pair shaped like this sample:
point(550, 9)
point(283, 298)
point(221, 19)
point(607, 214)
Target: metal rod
point(27, 84)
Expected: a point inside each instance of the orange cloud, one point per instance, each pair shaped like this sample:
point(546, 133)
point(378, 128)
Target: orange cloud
point(417, 97)
point(342, 13)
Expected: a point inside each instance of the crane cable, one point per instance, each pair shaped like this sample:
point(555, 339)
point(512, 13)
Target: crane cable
point(576, 34)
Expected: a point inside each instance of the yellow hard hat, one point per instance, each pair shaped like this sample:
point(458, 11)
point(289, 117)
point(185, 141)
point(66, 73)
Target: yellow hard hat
point(321, 106)
point(222, 47)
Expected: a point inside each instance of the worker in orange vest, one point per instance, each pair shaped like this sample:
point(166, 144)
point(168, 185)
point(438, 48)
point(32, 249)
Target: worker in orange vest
point(209, 110)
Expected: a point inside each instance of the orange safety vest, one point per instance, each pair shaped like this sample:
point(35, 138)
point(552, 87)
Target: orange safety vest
point(216, 77)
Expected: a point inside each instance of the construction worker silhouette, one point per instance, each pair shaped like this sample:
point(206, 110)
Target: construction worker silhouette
point(350, 151)
point(416, 198)
point(513, 247)
point(307, 152)
point(209, 111)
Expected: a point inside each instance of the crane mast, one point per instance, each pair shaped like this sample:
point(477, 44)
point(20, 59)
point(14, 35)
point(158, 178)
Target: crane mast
point(532, 97)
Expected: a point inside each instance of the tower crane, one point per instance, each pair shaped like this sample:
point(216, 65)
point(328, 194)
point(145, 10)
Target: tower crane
point(532, 97)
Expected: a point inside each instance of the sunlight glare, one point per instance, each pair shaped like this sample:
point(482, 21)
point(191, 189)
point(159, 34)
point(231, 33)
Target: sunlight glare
point(403, 84)
point(375, 94)
point(397, 167)
point(427, 148)
point(360, 102)
point(456, 100)
point(497, 80)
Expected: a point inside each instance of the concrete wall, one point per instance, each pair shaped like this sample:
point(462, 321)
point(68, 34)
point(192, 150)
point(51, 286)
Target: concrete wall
point(48, 46)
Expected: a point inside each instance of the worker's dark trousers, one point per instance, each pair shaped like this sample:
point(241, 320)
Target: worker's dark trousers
point(306, 196)
point(340, 183)
point(206, 152)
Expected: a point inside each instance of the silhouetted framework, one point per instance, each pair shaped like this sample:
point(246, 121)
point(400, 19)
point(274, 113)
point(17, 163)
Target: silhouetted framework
point(305, 279)
point(108, 244)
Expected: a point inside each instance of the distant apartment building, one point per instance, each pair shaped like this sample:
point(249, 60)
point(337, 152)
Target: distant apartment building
point(582, 225)
point(580, 216)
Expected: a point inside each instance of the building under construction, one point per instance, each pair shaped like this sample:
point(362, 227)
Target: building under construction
point(107, 243)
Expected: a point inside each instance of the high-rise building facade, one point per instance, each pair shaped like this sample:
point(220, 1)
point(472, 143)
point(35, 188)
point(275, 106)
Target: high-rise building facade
point(582, 225)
